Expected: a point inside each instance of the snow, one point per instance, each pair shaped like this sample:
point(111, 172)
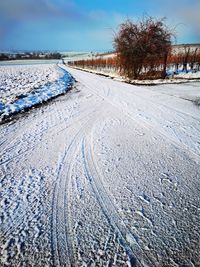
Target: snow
point(22, 62)
point(105, 175)
point(24, 86)
point(188, 75)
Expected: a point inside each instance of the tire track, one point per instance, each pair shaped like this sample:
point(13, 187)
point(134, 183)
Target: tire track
point(195, 156)
point(61, 241)
point(37, 141)
point(143, 97)
point(38, 136)
point(194, 153)
point(127, 239)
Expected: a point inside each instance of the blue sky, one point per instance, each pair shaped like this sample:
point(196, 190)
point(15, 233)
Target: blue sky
point(78, 25)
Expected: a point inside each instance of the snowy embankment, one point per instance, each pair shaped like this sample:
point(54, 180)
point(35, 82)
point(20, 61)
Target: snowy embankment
point(24, 86)
point(105, 175)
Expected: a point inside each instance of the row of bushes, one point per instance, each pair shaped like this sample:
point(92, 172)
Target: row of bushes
point(182, 61)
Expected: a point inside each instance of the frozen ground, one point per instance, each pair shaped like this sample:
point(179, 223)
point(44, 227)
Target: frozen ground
point(17, 80)
point(24, 86)
point(105, 175)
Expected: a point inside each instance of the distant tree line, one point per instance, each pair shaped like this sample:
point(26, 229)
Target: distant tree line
point(4, 56)
point(31, 55)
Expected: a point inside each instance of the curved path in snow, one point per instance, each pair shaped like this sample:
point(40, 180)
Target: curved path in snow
point(106, 175)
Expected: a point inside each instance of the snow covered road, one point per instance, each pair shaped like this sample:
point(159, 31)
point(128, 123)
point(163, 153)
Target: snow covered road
point(106, 175)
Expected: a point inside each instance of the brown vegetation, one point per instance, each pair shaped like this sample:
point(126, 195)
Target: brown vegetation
point(139, 45)
point(151, 70)
point(185, 59)
point(97, 63)
point(144, 51)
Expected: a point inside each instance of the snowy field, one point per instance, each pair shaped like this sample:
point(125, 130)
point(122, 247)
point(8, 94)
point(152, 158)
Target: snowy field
point(23, 86)
point(105, 175)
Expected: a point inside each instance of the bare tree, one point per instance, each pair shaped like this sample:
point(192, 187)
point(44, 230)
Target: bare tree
point(186, 57)
point(140, 45)
point(193, 58)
